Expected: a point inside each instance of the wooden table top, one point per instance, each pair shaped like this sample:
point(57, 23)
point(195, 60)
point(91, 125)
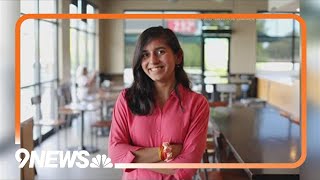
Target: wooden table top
point(261, 135)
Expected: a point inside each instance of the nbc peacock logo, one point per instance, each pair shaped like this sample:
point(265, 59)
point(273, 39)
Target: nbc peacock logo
point(101, 161)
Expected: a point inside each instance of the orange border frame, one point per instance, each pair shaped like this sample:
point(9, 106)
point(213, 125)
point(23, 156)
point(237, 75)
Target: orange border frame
point(303, 85)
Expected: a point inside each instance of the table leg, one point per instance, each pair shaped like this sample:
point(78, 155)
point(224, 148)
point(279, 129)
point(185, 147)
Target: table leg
point(82, 130)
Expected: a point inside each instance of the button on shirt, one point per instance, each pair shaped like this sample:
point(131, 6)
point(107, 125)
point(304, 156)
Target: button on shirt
point(185, 125)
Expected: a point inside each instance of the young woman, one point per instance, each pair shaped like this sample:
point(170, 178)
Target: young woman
point(86, 83)
point(159, 119)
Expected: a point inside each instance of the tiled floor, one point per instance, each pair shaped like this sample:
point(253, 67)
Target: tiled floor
point(8, 164)
point(73, 134)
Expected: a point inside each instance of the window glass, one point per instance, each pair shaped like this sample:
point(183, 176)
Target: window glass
point(297, 50)
point(91, 24)
point(90, 53)
point(73, 10)
point(82, 48)
point(211, 24)
point(48, 53)
point(275, 27)
point(130, 43)
point(48, 95)
point(28, 6)
point(90, 9)
point(73, 51)
point(216, 56)
point(26, 108)
point(82, 25)
point(274, 49)
point(27, 57)
point(48, 7)
point(83, 40)
point(38, 55)
point(296, 28)
point(191, 46)
point(278, 44)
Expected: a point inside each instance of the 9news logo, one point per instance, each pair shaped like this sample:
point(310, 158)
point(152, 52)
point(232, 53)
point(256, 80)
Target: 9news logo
point(55, 159)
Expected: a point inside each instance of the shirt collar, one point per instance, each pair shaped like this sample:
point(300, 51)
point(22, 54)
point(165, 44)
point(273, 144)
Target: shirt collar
point(181, 91)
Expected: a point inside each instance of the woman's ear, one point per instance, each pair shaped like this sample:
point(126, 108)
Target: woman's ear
point(179, 57)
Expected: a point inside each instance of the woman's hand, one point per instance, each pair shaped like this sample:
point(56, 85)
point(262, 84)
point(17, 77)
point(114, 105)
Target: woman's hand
point(176, 149)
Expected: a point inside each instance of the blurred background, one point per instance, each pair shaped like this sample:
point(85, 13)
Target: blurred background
point(260, 58)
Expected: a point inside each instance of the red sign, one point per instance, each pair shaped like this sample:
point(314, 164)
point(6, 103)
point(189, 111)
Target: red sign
point(184, 26)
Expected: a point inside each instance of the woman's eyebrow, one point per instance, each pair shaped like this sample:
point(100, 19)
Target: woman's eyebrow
point(144, 51)
point(161, 47)
point(155, 49)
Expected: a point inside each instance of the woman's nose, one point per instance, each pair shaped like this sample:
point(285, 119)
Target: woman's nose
point(154, 59)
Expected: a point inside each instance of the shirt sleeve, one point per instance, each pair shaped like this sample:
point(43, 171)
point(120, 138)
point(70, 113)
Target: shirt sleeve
point(120, 148)
point(195, 141)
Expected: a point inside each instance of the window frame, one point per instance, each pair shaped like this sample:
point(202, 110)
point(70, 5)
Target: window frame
point(293, 37)
point(39, 84)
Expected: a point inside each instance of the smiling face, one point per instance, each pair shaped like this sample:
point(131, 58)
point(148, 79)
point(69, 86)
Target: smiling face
point(159, 61)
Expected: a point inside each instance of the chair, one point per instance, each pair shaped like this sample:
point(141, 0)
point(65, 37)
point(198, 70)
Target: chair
point(215, 149)
point(26, 137)
point(230, 89)
point(65, 97)
point(210, 152)
point(101, 124)
point(105, 121)
point(54, 123)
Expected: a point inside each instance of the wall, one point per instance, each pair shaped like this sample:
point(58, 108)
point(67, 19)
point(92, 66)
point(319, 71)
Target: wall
point(243, 41)
point(112, 47)
point(284, 94)
point(9, 14)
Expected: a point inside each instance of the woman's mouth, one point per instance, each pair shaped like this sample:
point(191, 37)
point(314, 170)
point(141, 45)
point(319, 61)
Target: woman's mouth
point(155, 69)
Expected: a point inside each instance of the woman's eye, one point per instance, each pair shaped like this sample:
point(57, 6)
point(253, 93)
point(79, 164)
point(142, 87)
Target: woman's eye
point(145, 55)
point(160, 52)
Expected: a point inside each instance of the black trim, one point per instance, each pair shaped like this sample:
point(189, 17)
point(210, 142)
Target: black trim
point(277, 12)
point(74, 2)
point(218, 31)
point(84, 9)
point(44, 137)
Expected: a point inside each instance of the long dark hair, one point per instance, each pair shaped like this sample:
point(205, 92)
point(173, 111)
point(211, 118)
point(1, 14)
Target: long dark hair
point(140, 96)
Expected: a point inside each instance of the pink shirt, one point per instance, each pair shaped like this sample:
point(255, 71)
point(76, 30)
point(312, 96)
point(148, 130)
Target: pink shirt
point(131, 132)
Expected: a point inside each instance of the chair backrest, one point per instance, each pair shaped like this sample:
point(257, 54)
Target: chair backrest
point(226, 88)
point(36, 100)
point(64, 91)
point(67, 95)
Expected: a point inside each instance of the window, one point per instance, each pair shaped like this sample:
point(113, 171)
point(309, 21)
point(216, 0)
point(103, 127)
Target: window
point(216, 56)
point(83, 38)
point(278, 45)
point(39, 61)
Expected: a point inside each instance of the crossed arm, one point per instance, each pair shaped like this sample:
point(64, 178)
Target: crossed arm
point(121, 150)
